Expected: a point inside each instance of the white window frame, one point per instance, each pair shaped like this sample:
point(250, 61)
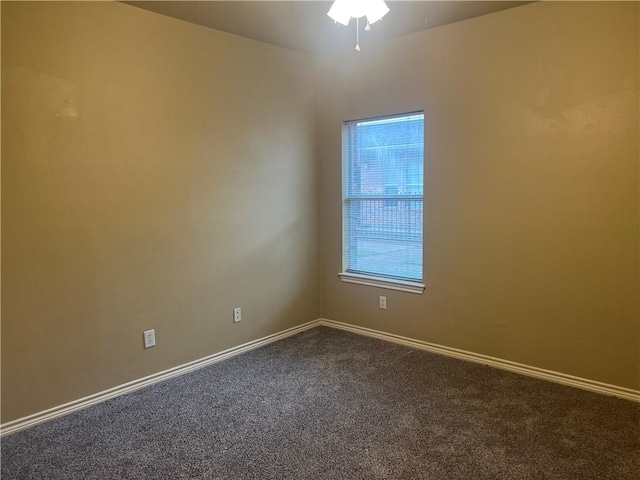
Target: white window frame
point(373, 280)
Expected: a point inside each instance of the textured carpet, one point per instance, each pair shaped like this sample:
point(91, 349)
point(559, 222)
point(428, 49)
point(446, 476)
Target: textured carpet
point(327, 404)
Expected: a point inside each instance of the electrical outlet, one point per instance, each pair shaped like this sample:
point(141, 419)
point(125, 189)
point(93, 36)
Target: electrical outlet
point(237, 315)
point(383, 302)
point(149, 338)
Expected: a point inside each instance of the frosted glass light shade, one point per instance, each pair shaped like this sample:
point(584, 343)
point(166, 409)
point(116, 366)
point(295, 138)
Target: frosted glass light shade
point(376, 9)
point(342, 10)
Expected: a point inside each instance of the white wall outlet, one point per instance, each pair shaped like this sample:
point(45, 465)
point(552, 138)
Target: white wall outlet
point(383, 302)
point(237, 315)
point(149, 338)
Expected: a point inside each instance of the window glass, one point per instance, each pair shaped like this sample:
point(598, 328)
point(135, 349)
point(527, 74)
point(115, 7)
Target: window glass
point(384, 185)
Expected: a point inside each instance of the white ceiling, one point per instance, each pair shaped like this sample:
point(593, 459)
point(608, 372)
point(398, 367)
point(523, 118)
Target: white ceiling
point(305, 26)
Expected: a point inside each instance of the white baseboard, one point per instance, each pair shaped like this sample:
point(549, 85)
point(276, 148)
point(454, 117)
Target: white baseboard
point(74, 406)
point(557, 377)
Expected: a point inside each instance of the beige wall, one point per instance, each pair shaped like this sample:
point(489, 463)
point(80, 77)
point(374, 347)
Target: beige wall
point(531, 203)
point(155, 174)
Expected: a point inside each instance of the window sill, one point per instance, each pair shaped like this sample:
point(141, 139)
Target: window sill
point(380, 282)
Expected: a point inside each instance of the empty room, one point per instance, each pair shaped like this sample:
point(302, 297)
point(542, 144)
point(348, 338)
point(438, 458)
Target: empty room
point(320, 240)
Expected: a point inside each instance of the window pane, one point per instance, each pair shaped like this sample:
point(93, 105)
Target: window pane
point(386, 156)
point(385, 237)
point(384, 188)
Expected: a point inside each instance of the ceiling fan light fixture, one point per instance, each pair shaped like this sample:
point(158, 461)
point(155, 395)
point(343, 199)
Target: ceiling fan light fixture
point(376, 10)
point(342, 10)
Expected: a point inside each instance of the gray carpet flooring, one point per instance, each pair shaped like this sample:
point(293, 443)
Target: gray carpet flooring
point(327, 404)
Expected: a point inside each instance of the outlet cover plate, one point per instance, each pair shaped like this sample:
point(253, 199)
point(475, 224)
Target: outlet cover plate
point(383, 302)
point(149, 338)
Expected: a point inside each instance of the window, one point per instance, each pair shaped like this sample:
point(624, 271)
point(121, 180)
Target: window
point(383, 171)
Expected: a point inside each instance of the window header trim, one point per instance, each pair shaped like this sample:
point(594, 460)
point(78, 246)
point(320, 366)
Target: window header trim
point(382, 118)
